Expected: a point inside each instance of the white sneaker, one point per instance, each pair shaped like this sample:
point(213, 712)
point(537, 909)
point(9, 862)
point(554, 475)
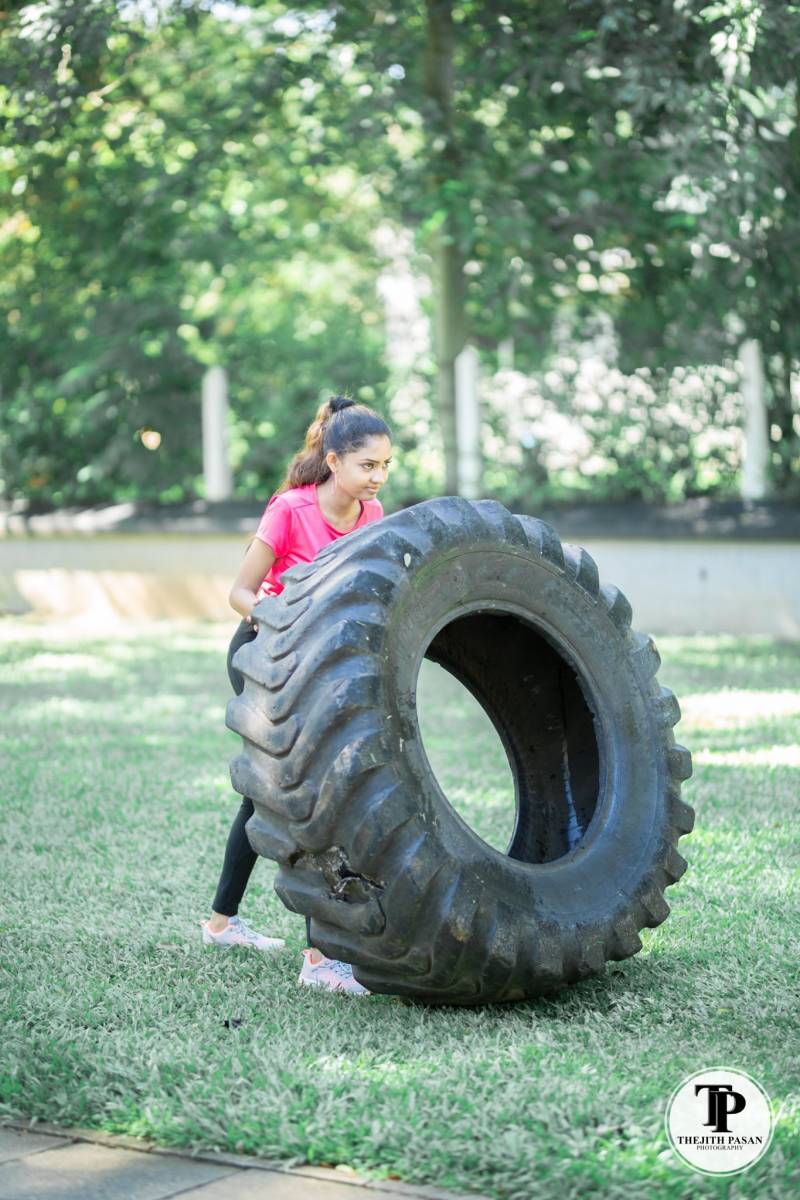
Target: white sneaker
point(238, 933)
point(332, 974)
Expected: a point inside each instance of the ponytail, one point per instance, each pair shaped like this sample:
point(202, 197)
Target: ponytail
point(340, 424)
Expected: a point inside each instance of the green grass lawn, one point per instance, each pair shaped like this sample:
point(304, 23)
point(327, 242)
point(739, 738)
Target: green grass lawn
point(116, 803)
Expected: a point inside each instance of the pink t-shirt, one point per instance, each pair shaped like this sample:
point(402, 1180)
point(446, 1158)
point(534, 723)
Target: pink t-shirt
point(294, 526)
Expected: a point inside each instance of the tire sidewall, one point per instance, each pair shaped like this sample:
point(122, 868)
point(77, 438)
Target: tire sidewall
point(605, 869)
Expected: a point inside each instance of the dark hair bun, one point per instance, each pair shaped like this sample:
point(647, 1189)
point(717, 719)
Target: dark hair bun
point(337, 403)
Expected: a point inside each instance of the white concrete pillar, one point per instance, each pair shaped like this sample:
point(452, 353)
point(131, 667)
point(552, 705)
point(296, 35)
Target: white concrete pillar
point(505, 354)
point(755, 464)
point(468, 424)
point(216, 466)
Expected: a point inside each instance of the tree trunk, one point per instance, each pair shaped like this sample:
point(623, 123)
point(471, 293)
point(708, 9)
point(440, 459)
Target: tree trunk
point(448, 269)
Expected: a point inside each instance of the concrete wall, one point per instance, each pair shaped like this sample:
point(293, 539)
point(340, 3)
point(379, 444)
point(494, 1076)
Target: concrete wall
point(121, 576)
point(675, 586)
point(706, 586)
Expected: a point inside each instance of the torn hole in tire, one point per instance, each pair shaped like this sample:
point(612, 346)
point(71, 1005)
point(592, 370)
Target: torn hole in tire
point(343, 882)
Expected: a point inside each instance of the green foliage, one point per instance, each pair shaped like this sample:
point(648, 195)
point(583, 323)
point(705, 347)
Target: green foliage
point(583, 429)
point(171, 223)
point(715, 226)
point(202, 185)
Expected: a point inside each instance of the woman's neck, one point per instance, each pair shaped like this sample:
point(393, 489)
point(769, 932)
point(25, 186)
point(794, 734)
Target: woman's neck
point(338, 504)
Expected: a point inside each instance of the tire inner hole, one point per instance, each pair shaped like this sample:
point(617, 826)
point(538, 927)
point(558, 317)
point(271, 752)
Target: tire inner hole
point(509, 735)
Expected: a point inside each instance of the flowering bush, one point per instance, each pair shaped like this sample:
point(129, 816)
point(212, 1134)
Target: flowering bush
point(583, 428)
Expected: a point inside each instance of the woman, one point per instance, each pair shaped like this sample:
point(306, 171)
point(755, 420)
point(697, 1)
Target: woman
point(330, 489)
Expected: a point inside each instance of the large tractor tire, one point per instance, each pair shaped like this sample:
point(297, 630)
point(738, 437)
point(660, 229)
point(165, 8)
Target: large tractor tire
point(394, 881)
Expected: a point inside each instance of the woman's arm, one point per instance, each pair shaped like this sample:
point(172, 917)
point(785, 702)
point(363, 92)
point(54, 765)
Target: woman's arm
point(257, 561)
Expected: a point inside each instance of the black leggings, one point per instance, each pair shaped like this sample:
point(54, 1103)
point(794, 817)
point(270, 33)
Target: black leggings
point(240, 858)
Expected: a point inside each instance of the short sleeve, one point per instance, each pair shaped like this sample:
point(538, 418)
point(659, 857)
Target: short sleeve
point(275, 526)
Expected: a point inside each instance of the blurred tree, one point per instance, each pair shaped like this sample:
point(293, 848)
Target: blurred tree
point(202, 186)
point(598, 156)
point(165, 214)
point(713, 165)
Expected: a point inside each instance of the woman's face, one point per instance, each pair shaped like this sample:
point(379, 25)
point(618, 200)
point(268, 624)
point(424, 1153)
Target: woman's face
point(363, 472)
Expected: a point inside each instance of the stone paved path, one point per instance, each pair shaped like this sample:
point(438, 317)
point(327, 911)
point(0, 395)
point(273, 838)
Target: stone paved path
point(53, 1166)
